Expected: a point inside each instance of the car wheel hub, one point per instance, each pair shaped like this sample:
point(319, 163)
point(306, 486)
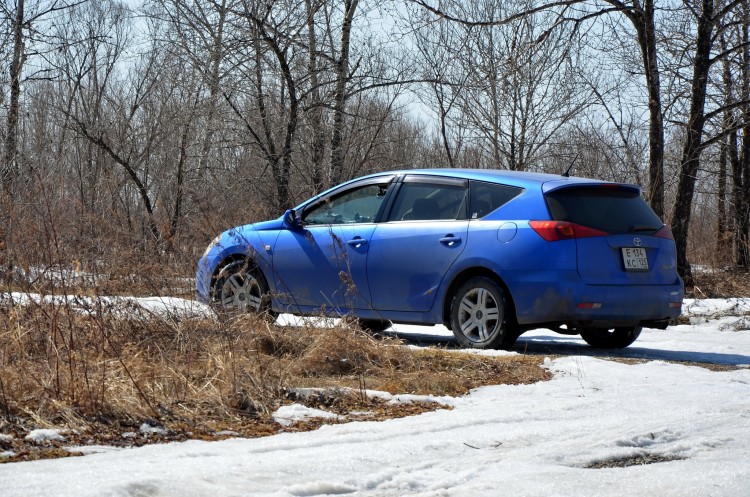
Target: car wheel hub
point(479, 315)
point(242, 293)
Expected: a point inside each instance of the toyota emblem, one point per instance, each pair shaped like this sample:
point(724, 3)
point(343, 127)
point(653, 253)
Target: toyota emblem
point(637, 242)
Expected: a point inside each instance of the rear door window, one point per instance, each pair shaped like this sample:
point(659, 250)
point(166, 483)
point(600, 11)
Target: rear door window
point(422, 199)
point(486, 197)
point(609, 209)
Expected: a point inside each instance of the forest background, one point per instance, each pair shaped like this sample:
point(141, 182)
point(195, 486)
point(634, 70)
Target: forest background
point(134, 131)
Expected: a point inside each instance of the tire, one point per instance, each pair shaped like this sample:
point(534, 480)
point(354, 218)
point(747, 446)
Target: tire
point(615, 338)
point(240, 288)
point(374, 325)
point(480, 317)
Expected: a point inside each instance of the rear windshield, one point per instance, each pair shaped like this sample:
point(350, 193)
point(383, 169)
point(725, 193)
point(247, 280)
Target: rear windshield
point(607, 209)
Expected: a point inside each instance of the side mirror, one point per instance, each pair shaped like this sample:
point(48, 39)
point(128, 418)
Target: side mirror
point(291, 221)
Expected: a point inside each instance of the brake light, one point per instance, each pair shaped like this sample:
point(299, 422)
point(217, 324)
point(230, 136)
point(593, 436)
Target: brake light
point(665, 232)
point(553, 231)
point(589, 305)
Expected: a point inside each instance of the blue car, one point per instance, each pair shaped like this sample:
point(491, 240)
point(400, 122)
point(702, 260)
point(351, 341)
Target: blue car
point(488, 253)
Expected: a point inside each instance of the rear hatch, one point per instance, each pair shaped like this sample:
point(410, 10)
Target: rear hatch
point(619, 239)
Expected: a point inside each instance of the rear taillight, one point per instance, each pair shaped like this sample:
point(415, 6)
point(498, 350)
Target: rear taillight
point(553, 231)
point(665, 232)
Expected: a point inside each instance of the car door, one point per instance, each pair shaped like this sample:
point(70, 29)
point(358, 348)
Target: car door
point(323, 263)
point(425, 232)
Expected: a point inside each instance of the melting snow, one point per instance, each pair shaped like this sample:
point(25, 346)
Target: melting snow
point(692, 423)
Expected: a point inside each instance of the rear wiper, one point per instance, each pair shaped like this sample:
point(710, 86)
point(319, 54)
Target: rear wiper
point(642, 227)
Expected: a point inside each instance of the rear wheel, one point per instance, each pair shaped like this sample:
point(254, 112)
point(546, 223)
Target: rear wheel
point(240, 288)
point(614, 338)
point(479, 316)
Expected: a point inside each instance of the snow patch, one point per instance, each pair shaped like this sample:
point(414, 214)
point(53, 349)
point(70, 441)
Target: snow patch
point(122, 307)
point(148, 430)
point(293, 413)
point(44, 435)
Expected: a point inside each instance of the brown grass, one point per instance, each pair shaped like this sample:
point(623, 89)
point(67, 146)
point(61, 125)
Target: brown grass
point(719, 283)
point(100, 378)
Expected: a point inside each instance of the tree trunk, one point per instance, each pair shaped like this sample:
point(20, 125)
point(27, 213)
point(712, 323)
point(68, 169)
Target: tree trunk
point(738, 201)
point(316, 108)
point(643, 20)
point(280, 162)
point(9, 166)
point(340, 97)
point(723, 239)
point(214, 86)
point(742, 173)
point(443, 113)
point(693, 140)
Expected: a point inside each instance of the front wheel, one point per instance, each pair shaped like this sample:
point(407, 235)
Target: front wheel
point(614, 338)
point(479, 315)
point(240, 288)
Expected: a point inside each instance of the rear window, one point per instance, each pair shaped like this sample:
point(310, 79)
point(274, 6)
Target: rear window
point(607, 209)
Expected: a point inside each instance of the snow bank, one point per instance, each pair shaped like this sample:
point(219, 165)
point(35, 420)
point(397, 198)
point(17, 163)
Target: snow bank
point(528, 440)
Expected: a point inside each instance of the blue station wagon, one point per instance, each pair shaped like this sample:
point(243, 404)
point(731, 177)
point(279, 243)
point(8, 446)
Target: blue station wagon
point(488, 253)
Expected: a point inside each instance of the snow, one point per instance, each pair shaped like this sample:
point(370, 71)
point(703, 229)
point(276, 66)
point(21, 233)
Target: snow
point(148, 430)
point(142, 307)
point(388, 397)
point(288, 415)
point(44, 435)
point(523, 440)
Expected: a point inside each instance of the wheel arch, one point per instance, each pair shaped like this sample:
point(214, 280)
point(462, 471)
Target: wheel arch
point(465, 276)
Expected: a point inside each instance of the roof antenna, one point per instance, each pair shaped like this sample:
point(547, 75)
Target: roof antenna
point(566, 174)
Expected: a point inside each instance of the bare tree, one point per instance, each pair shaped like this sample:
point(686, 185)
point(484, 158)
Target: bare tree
point(315, 114)
point(642, 14)
point(341, 67)
point(708, 19)
point(196, 33)
point(743, 208)
point(26, 40)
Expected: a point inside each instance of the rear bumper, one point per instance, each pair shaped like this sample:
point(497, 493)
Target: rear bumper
point(574, 302)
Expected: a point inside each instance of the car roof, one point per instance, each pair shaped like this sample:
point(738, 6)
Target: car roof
point(525, 179)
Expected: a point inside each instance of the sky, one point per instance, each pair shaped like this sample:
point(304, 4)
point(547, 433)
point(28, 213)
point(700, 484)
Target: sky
point(525, 440)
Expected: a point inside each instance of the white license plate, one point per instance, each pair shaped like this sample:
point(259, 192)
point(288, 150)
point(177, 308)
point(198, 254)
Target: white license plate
point(635, 259)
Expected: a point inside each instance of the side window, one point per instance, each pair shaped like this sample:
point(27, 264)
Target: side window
point(486, 197)
point(420, 201)
point(359, 205)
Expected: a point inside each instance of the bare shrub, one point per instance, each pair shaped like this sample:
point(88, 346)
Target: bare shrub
point(104, 367)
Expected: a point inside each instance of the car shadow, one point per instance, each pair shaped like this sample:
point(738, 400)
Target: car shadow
point(544, 345)
point(572, 346)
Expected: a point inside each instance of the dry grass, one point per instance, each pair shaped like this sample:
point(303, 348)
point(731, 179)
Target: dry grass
point(719, 283)
point(99, 378)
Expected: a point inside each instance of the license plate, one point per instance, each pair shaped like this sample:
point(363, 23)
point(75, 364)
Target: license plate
point(634, 259)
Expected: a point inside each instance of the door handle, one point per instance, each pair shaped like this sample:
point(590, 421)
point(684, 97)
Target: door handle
point(357, 242)
point(450, 240)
